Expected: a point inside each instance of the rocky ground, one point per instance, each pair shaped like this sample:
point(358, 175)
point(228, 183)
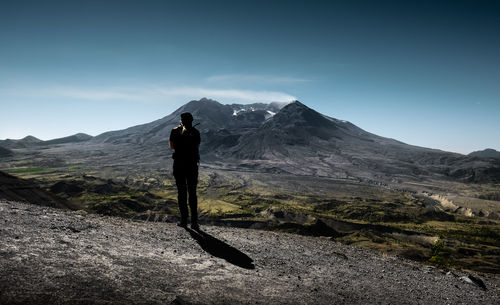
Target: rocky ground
point(55, 256)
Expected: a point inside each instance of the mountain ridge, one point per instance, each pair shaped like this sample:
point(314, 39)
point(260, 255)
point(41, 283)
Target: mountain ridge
point(293, 138)
point(29, 141)
point(486, 153)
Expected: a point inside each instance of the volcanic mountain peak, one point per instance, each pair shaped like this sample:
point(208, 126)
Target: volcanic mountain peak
point(202, 104)
point(206, 111)
point(298, 114)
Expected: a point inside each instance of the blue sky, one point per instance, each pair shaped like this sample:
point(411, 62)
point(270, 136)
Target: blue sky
point(424, 72)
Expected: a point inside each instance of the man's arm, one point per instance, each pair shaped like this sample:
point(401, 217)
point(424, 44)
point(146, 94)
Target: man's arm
point(172, 138)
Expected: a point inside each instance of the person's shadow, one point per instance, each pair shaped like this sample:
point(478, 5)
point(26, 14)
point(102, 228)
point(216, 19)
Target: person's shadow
point(220, 249)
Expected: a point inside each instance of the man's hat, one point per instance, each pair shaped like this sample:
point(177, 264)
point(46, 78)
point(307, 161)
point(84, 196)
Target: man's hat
point(186, 117)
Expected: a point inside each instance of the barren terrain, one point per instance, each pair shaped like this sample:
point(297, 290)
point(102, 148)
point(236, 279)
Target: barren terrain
point(58, 256)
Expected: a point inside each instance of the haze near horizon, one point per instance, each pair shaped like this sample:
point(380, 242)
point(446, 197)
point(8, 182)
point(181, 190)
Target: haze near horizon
point(424, 73)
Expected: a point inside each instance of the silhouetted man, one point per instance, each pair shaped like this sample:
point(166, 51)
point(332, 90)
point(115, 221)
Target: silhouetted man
point(185, 141)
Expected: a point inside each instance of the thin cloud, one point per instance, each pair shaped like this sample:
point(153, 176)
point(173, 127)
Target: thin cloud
point(255, 78)
point(152, 94)
point(230, 94)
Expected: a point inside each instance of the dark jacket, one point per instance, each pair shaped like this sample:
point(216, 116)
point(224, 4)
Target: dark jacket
point(185, 144)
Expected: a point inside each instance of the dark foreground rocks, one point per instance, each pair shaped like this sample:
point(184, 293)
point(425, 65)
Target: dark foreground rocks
point(53, 256)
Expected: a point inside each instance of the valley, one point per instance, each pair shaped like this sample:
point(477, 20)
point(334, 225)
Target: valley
point(391, 221)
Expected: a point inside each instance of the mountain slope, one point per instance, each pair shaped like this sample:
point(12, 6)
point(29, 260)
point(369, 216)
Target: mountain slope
point(209, 114)
point(21, 143)
point(13, 188)
point(4, 152)
point(300, 140)
point(79, 137)
point(487, 153)
point(91, 259)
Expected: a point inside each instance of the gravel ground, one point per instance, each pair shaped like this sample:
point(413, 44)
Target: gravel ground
point(55, 256)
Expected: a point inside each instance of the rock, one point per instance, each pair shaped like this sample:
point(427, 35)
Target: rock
point(464, 211)
point(477, 281)
point(483, 213)
point(473, 280)
point(180, 301)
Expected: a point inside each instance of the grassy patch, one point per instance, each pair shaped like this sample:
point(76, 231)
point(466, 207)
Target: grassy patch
point(23, 170)
point(441, 255)
point(218, 207)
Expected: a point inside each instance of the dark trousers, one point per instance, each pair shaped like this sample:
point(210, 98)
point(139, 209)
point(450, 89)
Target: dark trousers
point(186, 179)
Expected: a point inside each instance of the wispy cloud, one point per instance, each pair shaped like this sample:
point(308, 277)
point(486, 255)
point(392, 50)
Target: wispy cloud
point(255, 78)
point(151, 94)
point(230, 94)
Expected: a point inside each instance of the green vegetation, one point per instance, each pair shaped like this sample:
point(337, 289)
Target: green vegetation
point(22, 170)
point(219, 208)
point(441, 255)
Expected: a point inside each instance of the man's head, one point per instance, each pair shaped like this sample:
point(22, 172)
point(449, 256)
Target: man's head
point(187, 119)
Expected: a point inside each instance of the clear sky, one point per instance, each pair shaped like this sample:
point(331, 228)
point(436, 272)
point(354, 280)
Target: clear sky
point(423, 72)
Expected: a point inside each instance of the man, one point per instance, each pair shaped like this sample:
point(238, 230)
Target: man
point(185, 141)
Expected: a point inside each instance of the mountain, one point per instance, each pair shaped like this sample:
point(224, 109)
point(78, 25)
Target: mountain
point(296, 139)
point(211, 116)
point(4, 152)
point(79, 137)
point(31, 141)
point(302, 141)
point(21, 143)
point(487, 153)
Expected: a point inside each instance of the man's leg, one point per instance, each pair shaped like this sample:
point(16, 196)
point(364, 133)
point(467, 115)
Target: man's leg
point(180, 181)
point(192, 182)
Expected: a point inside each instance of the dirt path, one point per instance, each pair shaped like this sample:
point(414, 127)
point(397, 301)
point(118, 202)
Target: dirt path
point(53, 256)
